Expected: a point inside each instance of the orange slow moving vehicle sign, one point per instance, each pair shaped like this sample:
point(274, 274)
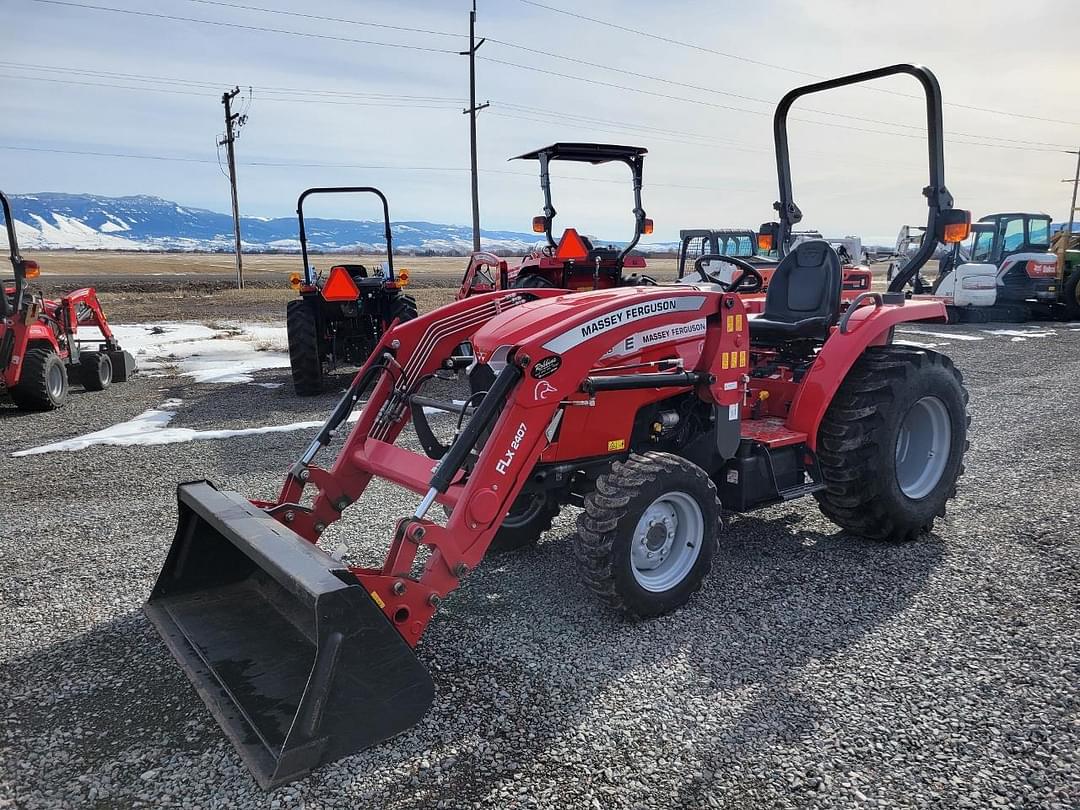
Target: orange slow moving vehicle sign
point(340, 286)
point(571, 247)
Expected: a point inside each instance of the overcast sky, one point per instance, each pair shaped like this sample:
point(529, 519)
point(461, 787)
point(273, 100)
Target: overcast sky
point(339, 95)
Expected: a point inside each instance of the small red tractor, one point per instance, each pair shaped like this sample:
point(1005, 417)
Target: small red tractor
point(573, 263)
point(340, 319)
point(39, 345)
point(652, 408)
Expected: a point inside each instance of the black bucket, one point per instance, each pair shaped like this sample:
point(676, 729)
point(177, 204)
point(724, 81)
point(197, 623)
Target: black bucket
point(292, 656)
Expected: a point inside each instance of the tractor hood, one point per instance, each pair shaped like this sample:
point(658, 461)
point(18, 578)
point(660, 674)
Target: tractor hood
point(566, 321)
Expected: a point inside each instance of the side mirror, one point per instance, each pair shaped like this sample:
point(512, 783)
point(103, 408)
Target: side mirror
point(953, 226)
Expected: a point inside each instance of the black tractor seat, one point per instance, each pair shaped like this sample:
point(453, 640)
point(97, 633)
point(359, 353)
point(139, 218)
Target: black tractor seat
point(803, 299)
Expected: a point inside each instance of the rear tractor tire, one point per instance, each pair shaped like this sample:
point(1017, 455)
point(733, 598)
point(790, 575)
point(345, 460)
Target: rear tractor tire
point(403, 308)
point(648, 534)
point(95, 371)
point(43, 383)
point(531, 281)
point(1071, 296)
point(891, 445)
point(305, 358)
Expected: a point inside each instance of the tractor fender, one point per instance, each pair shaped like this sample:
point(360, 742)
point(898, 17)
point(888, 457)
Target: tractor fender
point(24, 338)
point(867, 326)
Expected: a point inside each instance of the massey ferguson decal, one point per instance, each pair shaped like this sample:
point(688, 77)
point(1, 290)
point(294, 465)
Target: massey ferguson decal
point(503, 465)
point(672, 333)
point(619, 317)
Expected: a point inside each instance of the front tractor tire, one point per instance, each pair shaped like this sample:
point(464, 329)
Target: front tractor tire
point(647, 537)
point(95, 371)
point(43, 382)
point(530, 516)
point(891, 445)
point(305, 358)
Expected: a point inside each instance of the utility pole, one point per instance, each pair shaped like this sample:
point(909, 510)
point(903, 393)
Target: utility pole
point(1075, 184)
point(471, 112)
point(233, 123)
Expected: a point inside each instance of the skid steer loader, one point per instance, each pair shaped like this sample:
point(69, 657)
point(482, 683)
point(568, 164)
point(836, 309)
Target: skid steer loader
point(651, 407)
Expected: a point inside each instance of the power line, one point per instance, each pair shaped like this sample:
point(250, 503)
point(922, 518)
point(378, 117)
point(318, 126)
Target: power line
point(684, 100)
point(262, 29)
point(325, 19)
point(769, 102)
point(759, 63)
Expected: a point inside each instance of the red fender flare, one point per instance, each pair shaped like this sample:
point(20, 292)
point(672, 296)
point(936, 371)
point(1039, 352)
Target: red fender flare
point(867, 326)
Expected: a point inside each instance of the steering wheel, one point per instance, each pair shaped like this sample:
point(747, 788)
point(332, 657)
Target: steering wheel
point(749, 273)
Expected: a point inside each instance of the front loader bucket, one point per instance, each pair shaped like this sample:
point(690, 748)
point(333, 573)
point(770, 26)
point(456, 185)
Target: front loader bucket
point(292, 656)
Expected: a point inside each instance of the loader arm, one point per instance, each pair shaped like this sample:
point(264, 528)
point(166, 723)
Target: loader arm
point(517, 416)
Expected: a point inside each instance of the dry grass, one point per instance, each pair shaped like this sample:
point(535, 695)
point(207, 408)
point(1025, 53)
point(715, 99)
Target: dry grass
point(138, 287)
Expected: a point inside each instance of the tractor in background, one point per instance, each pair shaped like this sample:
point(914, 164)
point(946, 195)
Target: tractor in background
point(338, 319)
point(40, 348)
point(1009, 273)
point(573, 263)
point(700, 251)
point(1065, 244)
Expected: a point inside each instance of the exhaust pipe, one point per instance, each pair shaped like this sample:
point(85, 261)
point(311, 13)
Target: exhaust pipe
point(295, 660)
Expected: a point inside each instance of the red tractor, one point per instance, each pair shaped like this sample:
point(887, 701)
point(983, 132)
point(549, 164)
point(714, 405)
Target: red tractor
point(700, 253)
point(39, 345)
point(573, 263)
point(653, 408)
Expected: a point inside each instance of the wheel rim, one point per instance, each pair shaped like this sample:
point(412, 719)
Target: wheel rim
point(105, 374)
point(667, 541)
point(54, 379)
point(922, 447)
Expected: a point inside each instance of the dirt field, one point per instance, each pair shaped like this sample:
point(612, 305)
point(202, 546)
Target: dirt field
point(137, 287)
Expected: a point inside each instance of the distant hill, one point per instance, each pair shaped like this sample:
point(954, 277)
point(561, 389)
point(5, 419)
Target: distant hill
point(144, 223)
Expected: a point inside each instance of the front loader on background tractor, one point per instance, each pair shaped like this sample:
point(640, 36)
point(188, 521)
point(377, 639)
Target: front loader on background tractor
point(39, 344)
point(653, 407)
point(341, 318)
point(573, 263)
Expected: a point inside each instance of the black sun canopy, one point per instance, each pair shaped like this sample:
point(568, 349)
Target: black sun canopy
point(594, 153)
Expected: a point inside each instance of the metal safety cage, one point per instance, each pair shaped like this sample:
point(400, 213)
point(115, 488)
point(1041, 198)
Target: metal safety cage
point(345, 190)
point(594, 153)
point(938, 198)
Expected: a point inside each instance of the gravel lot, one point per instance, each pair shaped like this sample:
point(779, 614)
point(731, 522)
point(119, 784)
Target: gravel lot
point(813, 670)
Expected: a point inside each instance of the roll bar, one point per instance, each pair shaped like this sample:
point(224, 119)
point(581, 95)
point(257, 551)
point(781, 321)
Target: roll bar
point(344, 190)
point(16, 262)
point(937, 195)
point(594, 153)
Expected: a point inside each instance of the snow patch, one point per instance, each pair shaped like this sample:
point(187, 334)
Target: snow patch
point(1020, 335)
point(918, 345)
point(225, 354)
point(151, 427)
point(942, 335)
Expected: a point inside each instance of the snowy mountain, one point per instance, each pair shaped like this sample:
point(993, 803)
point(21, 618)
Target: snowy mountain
point(89, 222)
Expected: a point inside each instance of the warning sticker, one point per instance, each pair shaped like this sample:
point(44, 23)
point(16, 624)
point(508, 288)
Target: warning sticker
point(733, 412)
point(639, 341)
